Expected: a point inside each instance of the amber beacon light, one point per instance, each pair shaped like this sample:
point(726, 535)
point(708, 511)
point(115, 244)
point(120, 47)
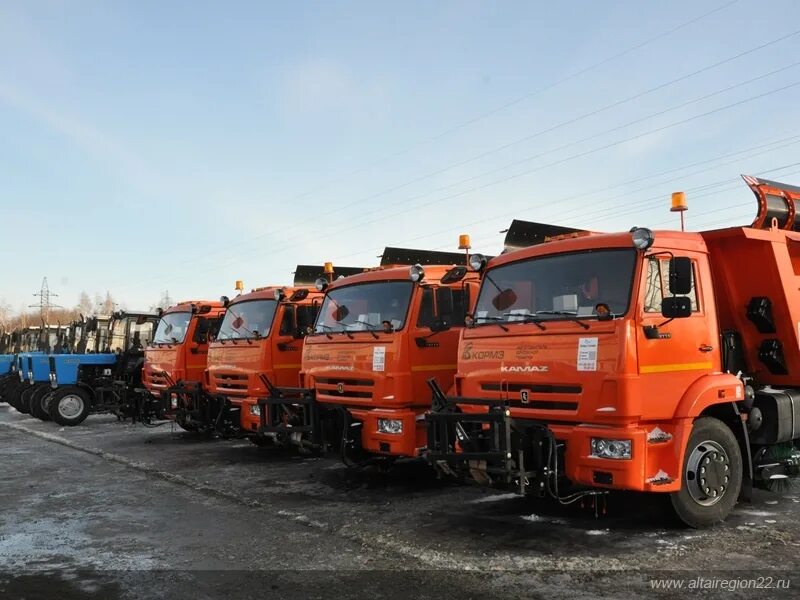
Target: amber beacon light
point(679, 205)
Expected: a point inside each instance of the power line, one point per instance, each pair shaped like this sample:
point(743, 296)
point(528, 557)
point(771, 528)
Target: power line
point(522, 98)
point(578, 118)
point(289, 244)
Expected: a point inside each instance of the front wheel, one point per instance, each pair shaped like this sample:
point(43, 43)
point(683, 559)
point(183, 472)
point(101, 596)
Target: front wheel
point(69, 406)
point(712, 475)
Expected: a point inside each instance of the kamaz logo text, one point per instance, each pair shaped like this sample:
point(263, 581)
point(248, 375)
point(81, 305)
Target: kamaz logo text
point(525, 369)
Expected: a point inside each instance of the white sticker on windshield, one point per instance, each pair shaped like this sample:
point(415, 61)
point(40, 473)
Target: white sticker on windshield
point(378, 358)
point(587, 354)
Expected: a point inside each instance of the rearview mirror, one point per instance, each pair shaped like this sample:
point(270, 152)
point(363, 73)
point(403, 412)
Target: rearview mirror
point(676, 307)
point(680, 275)
point(340, 313)
point(504, 300)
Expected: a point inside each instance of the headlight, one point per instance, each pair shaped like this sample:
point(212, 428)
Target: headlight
point(605, 448)
point(173, 401)
point(477, 262)
point(279, 294)
point(21, 376)
point(321, 284)
point(390, 426)
point(416, 273)
point(642, 238)
point(255, 410)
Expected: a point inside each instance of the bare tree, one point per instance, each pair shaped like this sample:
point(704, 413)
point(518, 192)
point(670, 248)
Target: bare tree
point(84, 306)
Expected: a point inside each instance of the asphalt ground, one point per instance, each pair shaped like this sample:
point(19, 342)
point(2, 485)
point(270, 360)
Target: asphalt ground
point(111, 509)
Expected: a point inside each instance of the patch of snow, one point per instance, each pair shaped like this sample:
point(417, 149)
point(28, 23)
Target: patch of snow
point(494, 498)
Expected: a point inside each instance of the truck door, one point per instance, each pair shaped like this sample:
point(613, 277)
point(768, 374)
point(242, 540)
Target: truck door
point(684, 349)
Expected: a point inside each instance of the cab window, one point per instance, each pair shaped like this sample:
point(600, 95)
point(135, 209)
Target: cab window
point(657, 285)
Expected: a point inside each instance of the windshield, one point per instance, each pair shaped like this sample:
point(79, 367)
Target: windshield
point(365, 306)
point(249, 319)
point(557, 286)
point(172, 328)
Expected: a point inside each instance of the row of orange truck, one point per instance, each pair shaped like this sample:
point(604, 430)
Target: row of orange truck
point(572, 364)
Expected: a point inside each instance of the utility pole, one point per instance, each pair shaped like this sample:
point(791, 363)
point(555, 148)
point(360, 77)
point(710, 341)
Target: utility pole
point(45, 303)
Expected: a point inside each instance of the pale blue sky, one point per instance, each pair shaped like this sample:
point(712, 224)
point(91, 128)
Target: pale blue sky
point(153, 145)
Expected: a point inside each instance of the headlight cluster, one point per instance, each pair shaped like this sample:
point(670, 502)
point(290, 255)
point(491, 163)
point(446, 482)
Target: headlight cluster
point(255, 410)
point(53, 380)
point(617, 449)
point(390, 426)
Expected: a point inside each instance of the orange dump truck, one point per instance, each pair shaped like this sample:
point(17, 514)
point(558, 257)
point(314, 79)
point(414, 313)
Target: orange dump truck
point(379, 336)
point(175, 361)
point(659, 361)
point(261, 340)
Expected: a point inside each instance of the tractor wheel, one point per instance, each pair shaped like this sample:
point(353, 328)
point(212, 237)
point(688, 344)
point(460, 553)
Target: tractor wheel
point(12, 394)
point(69, 406)
point(25, 399)
point(37, 404)
point(712, 475)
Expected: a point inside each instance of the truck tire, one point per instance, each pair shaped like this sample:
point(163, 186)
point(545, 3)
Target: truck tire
point(69, 406)
point(37, 403)
point(712, 475)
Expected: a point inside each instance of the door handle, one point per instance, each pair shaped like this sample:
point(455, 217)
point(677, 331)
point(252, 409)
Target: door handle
point(706, 348)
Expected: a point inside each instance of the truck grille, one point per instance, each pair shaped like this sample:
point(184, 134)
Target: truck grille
point(329, 387)
point(230, 383)
point(513, 392)
point(156, 380)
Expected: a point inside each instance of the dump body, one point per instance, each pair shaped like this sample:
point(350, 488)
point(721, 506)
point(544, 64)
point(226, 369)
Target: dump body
point(757, 278)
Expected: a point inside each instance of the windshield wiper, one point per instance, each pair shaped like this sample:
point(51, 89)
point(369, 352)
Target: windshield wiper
point(563, 313)
point(496, 320)
point(524, 318)
point(368, 327)
point(230, 337)
point(326, 329)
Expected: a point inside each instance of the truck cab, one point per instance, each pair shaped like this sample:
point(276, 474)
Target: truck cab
point(259, 344)
point(639, 361)
point(176, 358)
point(379, 336)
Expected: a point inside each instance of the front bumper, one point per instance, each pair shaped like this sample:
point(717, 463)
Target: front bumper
point(481, 438)
point(291, 412)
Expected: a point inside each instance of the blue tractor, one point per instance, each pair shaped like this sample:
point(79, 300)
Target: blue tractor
point(69, 339)
point(102, 381)
point(27, 342)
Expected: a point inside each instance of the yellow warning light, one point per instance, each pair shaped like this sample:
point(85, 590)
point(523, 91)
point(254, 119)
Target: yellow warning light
point(679, 202)
point(463, 242)
point(328, 268)
point(239, 285)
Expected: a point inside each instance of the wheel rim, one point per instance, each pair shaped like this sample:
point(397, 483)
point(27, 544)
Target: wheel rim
point(43, 402)
point(708, 473)
point(70, 406)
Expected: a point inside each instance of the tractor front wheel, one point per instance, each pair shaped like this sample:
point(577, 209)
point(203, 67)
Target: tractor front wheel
point(69, 406)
